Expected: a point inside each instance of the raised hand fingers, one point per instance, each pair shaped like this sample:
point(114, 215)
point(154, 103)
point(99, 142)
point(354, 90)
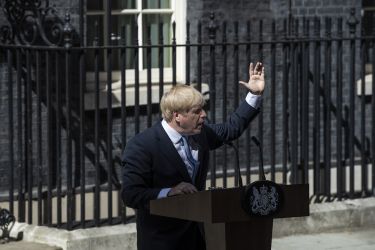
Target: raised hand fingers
point(258, 68)
point(262, 74)
point(251, 69)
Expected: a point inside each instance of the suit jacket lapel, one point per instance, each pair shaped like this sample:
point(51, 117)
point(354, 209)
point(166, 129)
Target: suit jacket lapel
point(170, 152)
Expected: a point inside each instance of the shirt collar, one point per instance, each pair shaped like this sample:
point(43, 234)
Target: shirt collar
point(171, 132)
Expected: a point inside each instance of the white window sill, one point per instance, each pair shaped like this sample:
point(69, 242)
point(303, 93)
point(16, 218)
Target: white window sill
point(130, 95)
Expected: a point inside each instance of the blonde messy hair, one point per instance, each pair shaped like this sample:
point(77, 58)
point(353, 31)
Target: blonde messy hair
point(180, 98)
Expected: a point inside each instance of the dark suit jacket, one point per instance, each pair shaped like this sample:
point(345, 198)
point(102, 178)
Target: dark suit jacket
point(151, 162)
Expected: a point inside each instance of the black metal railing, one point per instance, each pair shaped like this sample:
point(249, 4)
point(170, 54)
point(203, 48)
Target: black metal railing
point(65, 134)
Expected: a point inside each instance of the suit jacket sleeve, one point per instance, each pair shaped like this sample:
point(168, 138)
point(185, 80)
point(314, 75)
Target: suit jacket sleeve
point(232, 128)
point(137, 176)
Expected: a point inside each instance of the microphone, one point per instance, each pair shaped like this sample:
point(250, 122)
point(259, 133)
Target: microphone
point(240, 184)
point(262, 198)
point(237, 163)
point(261, 168)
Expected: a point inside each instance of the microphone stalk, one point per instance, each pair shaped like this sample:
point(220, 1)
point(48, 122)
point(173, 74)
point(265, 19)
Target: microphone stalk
point(240, 184)
point(261, 168)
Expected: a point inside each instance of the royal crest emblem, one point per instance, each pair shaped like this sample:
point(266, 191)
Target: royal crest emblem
point(262, 198)
point(264, 201)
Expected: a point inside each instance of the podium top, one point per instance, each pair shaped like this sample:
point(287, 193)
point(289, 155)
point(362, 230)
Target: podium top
point(224, 205)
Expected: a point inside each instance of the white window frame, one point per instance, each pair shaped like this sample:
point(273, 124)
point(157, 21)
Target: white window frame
point(178, 14)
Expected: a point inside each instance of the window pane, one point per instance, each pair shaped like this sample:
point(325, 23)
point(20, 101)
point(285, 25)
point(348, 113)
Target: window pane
point(156, 4)
point(152, 21)
point(367, 23)
point(94, 5)
point(124, 4)
point(91, 34)
point(129, 23)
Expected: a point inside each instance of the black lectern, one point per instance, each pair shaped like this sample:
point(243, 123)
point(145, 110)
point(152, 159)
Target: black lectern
point(227, 225)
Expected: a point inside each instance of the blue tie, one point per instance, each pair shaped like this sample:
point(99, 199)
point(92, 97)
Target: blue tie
point(193, 164)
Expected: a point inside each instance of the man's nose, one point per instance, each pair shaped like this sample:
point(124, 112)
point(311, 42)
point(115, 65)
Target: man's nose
point(203, 114)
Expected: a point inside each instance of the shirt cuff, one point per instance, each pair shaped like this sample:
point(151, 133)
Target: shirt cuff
point(163, 193)
point(253, 100)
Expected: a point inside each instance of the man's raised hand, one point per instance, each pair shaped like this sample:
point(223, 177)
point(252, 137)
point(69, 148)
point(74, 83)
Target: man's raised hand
point(256, 82)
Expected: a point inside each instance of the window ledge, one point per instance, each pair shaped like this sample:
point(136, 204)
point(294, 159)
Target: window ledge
point(130, 96)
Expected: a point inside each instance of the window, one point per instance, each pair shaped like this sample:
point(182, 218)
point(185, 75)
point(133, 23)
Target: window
point(127, 14)
point(368, 18)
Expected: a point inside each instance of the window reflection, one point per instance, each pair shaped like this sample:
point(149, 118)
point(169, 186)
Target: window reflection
point(156, 4)
point(152, 21)
point(124, 4)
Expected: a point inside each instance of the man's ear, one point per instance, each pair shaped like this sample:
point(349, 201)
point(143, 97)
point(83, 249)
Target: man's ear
point(176, 116)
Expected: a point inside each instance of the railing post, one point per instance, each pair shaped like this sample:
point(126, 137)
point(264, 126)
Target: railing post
point(327, 109)
point(260, 115)
point(58, 143)
point(10, 130)
point(273, 100)
point(317, 110)
point(373, 108)
point(224, 96)
point(161, 62)
point(248, 130)
point(174, 55)
point(20, 148)
point(294, 105)
point(340, 168)
point(212, 27)
point(235, 83)
point(305, 104)
point(97, 127)
point(352, 23)
point(82, 137)
point(149, 83)
point(109, 58)
point(362, 148)
point(68, 30)
point(285, 94)
point(199, 56)
point(123, 53)
point(29, 137)
point(187, 49)
point(136, 58)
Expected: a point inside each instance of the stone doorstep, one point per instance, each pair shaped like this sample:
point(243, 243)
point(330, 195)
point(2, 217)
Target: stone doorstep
point(323, 218)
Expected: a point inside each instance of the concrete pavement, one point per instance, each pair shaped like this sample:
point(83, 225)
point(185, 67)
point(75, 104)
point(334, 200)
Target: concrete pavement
point(344, 225)
point(353, 238)
point(24, 245)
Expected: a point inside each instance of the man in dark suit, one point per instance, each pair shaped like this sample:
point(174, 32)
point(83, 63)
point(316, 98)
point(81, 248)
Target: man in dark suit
point(171, 158)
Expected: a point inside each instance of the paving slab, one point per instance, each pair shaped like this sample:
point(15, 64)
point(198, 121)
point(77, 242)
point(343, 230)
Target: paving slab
point(24, 245)
point(353, 238)
point(357, 238)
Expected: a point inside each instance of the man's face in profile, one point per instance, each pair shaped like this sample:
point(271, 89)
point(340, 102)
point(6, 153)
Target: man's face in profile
point(191, 122)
